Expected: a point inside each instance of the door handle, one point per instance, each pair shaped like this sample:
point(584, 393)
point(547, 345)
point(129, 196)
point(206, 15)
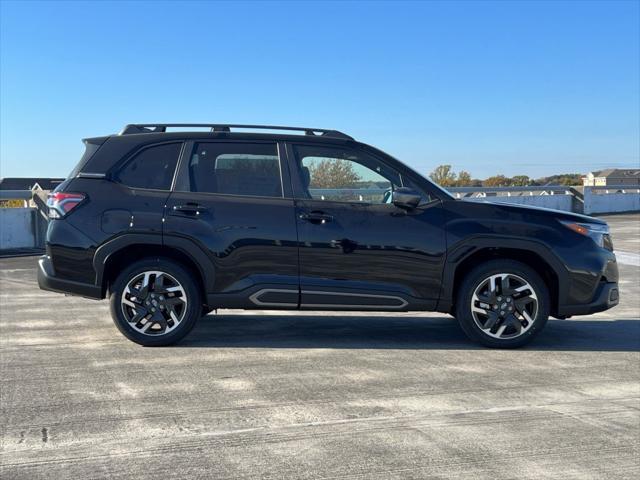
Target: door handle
point(190, 208)
point(316, 217)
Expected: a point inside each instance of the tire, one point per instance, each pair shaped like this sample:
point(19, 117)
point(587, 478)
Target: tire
point(176, 297)
point(484, 325)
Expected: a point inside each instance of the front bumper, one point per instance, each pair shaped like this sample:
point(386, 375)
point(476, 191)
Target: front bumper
point(607, 296)
point(47, 280)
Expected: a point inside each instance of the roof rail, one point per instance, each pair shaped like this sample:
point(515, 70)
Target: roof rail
point(226, 127)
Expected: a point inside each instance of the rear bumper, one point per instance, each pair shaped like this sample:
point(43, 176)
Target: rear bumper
point(607, 296)
point(47, 280)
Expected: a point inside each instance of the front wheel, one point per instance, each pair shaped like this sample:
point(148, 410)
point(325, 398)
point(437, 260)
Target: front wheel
point(502, 304)
point(155, 302)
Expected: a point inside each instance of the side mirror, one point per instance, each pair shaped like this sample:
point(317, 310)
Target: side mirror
point(405, 197)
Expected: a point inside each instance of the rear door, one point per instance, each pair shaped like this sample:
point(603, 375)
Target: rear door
point(233, 199)
point(357, 249)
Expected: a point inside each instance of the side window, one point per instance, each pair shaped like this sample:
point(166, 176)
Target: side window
point(345, 175)
point(236, 169)
point(153, 167)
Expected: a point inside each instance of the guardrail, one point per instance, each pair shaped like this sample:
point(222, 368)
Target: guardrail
point(25, 227)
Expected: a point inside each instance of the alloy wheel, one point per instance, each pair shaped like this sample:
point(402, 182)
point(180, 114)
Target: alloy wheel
point(154, 303)
point(504, 306)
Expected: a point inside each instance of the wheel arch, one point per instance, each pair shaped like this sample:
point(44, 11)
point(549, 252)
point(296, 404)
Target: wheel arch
point(533, 254)
point(111, 257)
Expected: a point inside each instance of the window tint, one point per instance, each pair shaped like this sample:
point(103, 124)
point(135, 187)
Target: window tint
point(236, 169)
point(153, 167)
point(345, 175)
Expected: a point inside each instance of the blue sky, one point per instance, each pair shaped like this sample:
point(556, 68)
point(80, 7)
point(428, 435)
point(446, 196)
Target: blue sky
point(531, 88)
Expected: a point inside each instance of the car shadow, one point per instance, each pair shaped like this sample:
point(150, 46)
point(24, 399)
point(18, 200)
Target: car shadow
point(396, 332)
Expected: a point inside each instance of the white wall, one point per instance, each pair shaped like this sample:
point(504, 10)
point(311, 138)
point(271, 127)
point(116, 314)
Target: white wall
point(558, 202)
point(16, 228)
point(612, 202)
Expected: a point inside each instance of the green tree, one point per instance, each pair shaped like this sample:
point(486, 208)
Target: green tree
point(444, 176)
point(464, 179)
point(521, 181)
point(561, 179)
point(333, 173)
point(496, 181)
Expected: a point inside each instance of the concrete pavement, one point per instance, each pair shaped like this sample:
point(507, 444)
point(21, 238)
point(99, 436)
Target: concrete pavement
point(316, 395)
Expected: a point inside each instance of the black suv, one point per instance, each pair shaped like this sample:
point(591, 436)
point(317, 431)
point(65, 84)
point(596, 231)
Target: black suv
point(173, 224)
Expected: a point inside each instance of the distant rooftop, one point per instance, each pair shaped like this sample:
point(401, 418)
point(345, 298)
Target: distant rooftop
point(618, 173)
point(28, 183)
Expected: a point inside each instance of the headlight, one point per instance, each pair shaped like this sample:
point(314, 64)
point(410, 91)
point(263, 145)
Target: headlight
point(597, 232)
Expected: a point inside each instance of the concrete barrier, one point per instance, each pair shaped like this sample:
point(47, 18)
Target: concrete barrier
point(611, 199)
point(590, 201)
point(17, 228)
point(557, 202)
point(25, 227)
point(556, 197)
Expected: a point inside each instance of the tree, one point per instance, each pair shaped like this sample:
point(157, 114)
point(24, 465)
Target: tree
point(464, 179)
point(443, 176)
point(496, 181)
point(333, 173)
point(562, 179)
point(521, 181)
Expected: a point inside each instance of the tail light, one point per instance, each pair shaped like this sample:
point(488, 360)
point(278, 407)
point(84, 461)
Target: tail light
point(61, 203)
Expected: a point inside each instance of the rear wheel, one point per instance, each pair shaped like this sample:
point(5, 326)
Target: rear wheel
point(502, 304)
point(155, 302)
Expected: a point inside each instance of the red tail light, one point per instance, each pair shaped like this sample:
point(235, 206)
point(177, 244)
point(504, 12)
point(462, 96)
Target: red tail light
point(61, 203)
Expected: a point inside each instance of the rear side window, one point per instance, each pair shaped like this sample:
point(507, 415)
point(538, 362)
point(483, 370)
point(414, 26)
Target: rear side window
point(152, 168)
point(251, 169)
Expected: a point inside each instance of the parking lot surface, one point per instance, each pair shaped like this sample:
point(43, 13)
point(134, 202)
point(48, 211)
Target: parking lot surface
point(316, 395)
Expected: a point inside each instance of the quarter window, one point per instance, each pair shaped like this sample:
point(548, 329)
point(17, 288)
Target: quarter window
point(345, 175)
point(236, 169)
point(152, 168)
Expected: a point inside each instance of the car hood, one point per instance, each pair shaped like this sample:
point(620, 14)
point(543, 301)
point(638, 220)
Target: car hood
point(560, 214)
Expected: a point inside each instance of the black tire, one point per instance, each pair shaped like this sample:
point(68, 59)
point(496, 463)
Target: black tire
point(480, 274)
point(192, 311)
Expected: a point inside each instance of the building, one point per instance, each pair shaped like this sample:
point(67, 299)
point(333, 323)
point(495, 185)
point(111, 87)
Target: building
point(613, 177)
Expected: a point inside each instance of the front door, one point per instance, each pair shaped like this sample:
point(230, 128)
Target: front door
point(229, 199)
point(357, 249)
